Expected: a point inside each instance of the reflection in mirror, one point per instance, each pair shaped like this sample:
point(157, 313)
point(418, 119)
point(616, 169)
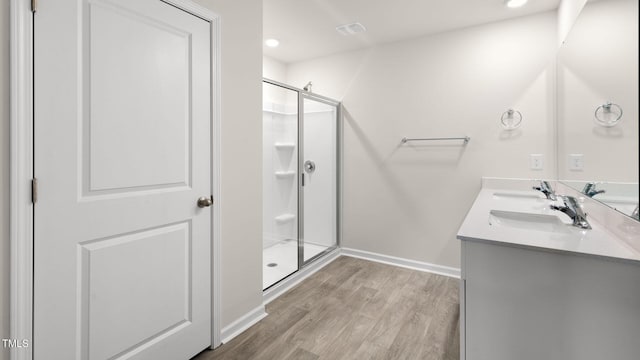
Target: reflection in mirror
point(620, 196)
point(598, 104)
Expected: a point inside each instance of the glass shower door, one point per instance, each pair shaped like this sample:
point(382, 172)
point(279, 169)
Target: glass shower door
point(280, 183)
point(318, 224)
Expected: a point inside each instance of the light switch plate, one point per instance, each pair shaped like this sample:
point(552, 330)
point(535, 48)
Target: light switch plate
point(576, 162)
point(536, 162)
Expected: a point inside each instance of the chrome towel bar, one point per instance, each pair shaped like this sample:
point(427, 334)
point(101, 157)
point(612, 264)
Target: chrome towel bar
point(465, 139)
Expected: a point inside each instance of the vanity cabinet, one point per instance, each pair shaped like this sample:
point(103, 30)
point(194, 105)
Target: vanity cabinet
point(527, 303)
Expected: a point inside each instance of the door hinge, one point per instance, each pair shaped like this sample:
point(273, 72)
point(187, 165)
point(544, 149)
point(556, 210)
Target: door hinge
point(34, 190)
point(34, 6)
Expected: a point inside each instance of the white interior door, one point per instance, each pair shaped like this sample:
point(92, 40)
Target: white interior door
point(122, 253)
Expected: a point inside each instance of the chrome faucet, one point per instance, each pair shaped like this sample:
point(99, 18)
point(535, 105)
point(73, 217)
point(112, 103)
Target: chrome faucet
point(636, 213)
point(546, 189)
point(574, 211)
point(590, 190)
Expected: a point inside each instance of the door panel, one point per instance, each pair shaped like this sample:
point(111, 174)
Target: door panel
point(319, 150)
point(128, 104)
point(122, 152)
point(122, 298)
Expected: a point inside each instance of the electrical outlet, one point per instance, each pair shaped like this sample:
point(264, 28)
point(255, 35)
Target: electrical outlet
point(576, 162)
point(535, 162)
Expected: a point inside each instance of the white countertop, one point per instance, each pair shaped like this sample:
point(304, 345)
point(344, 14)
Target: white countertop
point(596, 241)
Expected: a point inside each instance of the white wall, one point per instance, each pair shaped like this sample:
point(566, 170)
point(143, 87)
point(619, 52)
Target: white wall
point(409, 200)
point(568, 11)
point(4, 175)
point(273, 69)
point(241, 159)
point(241, 155)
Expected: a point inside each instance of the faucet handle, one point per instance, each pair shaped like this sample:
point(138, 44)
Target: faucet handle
point(590, 189)
point(546, 189)
point(570, 201)
point(574, 210)
point(570, 204)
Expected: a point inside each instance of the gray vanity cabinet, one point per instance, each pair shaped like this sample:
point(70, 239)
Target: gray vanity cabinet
point(527, 303)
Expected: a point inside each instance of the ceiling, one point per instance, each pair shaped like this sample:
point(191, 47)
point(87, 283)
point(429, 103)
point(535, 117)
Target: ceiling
point(306, 28)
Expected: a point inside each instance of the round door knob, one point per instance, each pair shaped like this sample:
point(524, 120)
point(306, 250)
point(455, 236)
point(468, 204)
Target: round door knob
point(205, 201)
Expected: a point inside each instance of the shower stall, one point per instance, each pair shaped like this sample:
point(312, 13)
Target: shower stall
point(301, 172)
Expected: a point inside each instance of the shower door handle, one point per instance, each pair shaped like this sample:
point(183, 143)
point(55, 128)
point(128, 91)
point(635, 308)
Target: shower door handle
point(302, 179)
point(309, 166)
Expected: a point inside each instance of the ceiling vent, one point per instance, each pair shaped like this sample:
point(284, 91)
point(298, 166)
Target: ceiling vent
point(350, 29)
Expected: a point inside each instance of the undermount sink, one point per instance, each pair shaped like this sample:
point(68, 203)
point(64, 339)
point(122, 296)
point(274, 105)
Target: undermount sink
point(527, 221)
point(500, 195)
point(528, 200)
point(519, 196)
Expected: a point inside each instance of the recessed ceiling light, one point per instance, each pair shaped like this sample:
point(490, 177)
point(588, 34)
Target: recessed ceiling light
point(515, 3)
point(272, 43)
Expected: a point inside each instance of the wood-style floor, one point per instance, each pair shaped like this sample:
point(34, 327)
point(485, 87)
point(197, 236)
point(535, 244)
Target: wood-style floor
point(356, 309)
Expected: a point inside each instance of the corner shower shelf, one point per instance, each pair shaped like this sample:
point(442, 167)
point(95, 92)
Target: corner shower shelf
point(285, 218)
point(284, 146)
point(285, 174)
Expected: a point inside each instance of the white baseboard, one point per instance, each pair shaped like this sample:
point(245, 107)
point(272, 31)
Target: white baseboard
point(237, 327)
point(401, 262)
point(293, 280)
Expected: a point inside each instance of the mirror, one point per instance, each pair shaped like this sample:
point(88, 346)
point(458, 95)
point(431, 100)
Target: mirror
point(597, 104)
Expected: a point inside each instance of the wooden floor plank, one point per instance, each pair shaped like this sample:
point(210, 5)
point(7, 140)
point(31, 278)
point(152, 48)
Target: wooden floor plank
point(353, 333)
point(301, 354)
point(356, 309)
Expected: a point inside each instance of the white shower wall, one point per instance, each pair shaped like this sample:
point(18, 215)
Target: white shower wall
point(280, 171)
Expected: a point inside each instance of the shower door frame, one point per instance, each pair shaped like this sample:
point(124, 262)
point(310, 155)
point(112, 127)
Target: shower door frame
point(302, 95)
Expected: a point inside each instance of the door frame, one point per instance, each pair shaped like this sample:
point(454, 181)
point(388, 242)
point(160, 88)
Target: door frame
point(302, 96)
point(21, 170)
